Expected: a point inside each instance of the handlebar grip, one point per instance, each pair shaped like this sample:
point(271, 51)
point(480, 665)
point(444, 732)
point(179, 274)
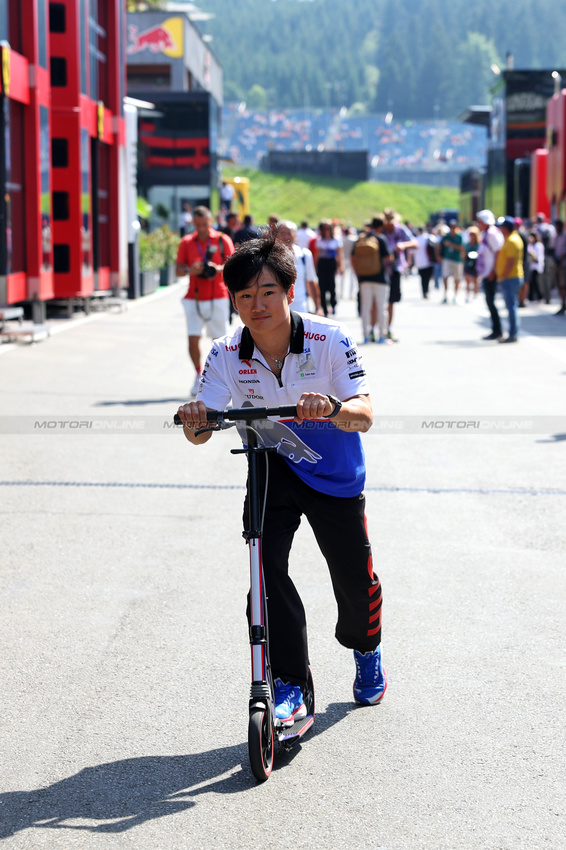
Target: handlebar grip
point(287, 411)
point(247, 414)
point(211, 416)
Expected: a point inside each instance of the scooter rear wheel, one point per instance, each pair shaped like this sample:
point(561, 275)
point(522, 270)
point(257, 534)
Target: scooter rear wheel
point(309, 694)
point(260, 743)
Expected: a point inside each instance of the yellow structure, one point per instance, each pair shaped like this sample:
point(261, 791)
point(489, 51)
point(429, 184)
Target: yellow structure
point(242, 187)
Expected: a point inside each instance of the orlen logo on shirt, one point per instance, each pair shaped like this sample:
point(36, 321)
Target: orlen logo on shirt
point(249, 370)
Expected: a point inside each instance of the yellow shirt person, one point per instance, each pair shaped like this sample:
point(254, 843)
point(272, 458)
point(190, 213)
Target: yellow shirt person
point(509, 261)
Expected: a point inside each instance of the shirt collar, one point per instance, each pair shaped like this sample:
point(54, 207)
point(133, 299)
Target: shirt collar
point(296, 343)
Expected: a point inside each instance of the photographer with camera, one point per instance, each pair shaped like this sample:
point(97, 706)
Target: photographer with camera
point(202, 255)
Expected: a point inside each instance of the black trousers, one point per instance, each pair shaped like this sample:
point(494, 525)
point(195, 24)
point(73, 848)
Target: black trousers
point(339, 526)
point(426, 275)
point(326, 272)
point(489, 287)
point(534, 291)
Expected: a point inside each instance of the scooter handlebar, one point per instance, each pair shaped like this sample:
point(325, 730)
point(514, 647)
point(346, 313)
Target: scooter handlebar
point(246, 414)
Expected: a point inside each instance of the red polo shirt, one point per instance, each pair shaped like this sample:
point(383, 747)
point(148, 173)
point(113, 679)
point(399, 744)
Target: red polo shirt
point(191, 249)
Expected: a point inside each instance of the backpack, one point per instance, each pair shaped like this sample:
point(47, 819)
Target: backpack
point(431, 250)
point(368, 256)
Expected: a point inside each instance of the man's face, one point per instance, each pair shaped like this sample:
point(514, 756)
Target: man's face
point(285, 234)
point(202, 225)
point(263, 306)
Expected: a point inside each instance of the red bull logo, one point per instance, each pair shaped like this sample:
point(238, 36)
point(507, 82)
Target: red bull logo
point(165, 37)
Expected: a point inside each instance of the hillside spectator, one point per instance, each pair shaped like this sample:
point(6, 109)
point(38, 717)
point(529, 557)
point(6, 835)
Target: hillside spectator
point(273, 221)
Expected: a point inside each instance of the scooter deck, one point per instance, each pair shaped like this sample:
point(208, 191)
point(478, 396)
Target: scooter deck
point(286, 734)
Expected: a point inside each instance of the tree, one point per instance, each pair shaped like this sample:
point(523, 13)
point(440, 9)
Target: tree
point(396, 87)
point(143, 5)
point(475, 56)
point(256, 97)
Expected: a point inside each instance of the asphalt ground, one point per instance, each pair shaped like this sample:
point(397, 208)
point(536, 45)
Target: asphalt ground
point(125, 662)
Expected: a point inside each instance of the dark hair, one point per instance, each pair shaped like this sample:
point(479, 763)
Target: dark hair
point(246, 265)
point(376, 222)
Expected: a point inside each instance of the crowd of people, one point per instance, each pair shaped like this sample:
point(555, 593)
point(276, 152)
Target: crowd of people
point(526, 260)
point(440, 145)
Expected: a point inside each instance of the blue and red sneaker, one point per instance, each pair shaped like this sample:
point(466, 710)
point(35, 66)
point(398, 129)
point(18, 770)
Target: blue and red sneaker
point(371, 682)
point(289, 703)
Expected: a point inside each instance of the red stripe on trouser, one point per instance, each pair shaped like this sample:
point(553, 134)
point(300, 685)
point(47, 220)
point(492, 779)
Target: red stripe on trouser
point(376, 603)
point(373, 618)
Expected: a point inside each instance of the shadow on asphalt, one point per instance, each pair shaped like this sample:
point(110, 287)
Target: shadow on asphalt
point(335, 712)
point(121, 795)
point(554, 438)
point(140, 402)
point(460, 343)
point(547, 325)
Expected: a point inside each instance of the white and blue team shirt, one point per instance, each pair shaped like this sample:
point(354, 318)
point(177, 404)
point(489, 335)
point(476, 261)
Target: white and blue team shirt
point(322, 358)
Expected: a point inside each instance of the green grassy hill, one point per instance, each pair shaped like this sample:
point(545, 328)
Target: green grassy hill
point(314, 198)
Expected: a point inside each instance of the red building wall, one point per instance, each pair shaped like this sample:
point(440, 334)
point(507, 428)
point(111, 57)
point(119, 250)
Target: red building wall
point(71, 143)
point(539, 201)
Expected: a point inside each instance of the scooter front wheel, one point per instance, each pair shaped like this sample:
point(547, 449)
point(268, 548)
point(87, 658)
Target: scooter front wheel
point(260, 743)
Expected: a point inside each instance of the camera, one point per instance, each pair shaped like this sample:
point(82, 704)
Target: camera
point(209, 270)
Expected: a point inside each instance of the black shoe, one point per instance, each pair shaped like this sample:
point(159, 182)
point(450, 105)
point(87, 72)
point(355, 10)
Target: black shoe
point(509, 339)
point(561, 312)
point(492, 336)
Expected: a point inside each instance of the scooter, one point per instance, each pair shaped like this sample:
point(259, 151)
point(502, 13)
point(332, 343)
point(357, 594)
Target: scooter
point(264, 728)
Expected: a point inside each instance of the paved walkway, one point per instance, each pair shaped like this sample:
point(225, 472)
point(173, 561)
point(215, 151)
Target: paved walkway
point(124, 662)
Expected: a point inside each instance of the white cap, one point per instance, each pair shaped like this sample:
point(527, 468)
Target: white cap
point(486, 217)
